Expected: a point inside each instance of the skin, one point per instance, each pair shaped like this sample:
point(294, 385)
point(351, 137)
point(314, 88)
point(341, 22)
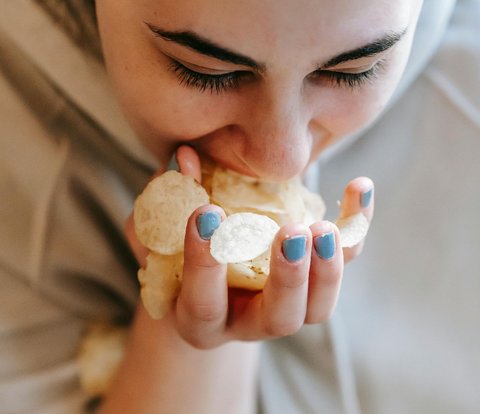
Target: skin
point(271, 124)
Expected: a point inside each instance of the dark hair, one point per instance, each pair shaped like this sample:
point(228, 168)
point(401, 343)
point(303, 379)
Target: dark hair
point(78, 19)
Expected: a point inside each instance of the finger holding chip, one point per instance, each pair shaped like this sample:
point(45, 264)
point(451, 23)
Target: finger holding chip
point(356, 213)
point(326, 271)
point(202, 304)
point(285, 293)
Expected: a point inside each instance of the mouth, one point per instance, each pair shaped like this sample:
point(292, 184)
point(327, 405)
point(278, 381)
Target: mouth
point(237, 164)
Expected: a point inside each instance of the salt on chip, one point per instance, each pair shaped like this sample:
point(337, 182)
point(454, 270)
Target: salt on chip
point(162, 210)
point(251, 274)
point(241, 237)
point(160, 282)
point(352, 229)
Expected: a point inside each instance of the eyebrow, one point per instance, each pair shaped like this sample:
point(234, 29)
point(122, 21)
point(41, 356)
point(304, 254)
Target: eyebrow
point(370, 49)
point(208, 48)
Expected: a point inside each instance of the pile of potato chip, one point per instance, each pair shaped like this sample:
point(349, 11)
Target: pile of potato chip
point(255, 211)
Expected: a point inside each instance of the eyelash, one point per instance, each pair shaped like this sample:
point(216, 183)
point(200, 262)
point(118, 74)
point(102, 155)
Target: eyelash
point(353, 80)
point(214, 83)
point(229, 81)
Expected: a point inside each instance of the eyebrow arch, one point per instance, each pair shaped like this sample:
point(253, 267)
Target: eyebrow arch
point(206, 47)
point(370, 49)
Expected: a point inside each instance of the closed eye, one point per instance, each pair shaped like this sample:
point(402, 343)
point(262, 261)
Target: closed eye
point(348, 79)
point(203, 82)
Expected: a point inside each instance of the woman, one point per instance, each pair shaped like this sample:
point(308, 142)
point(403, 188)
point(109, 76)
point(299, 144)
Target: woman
point(264, 88)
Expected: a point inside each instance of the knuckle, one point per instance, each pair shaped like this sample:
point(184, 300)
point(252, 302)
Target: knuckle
point(329, 279)
point(197, 341)
point(206, 312)
point(292, 280)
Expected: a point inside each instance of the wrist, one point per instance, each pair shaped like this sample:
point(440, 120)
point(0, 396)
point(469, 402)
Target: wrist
point(162, 372)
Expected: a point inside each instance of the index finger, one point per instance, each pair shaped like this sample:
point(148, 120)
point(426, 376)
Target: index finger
point(203, 300)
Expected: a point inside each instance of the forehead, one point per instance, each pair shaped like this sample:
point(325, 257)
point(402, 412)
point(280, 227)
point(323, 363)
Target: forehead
point(251, 26)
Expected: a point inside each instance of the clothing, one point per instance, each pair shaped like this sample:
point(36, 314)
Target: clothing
point(404, 337)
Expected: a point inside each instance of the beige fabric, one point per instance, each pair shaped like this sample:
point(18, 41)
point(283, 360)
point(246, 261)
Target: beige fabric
point(47, 47)
point(66, 188)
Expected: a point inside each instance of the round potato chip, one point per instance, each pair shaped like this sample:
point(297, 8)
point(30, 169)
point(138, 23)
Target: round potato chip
point(161, 212)
point(352, 229)
point(242, 237)
point(160, 282)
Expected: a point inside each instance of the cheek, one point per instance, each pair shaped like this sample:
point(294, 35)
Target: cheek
point(158, 108)
point(156, 104)
point(352, 111)
point(344, 111)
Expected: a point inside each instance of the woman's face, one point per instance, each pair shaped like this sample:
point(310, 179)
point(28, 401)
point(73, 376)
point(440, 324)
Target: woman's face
point(262, 86)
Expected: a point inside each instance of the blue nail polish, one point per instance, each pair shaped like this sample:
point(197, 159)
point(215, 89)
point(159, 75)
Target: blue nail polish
point(294, 248)
point(325, 245)
point(173, 164)
point(207, 223)
point(365, 198)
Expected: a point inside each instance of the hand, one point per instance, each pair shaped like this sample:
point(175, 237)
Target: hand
point(303, 286)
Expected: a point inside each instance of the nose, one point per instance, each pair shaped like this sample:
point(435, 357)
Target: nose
point(276, 136)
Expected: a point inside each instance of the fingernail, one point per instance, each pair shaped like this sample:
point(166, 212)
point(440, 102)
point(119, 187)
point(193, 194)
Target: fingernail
point(325, 245)
point(365, 198)
point(207, 223)
point(173, 163)
point(294, 248)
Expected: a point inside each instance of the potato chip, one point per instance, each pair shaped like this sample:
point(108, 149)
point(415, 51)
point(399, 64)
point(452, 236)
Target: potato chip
point(255, 210)
point(101, 351)
point(314, 206)
point(352, 229)
point(251, 274)
point(162, 210)
point(241, 237)
point(236, 193)
point(160, 282)
point(292, 202)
